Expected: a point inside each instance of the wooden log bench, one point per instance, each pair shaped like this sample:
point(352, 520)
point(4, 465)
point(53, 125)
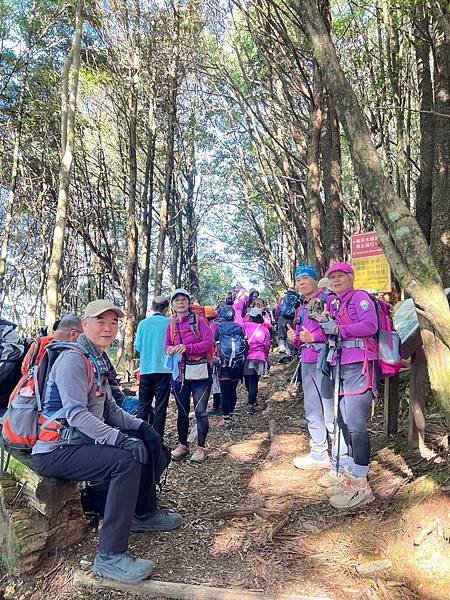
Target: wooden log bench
point(37, 516)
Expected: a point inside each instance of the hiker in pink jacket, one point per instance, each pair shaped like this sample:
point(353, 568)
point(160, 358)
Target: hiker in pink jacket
point(353, 319)
point(190, 344)
point(258, 339)
point(239, 303)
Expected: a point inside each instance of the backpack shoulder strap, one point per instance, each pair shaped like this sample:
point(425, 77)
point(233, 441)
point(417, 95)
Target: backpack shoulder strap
point(172, 330)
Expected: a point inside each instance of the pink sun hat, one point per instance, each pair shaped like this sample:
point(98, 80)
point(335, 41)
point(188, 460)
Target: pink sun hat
point(340, 266)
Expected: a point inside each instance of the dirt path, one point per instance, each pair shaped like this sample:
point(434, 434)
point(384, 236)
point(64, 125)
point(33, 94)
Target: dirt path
point(253, 521)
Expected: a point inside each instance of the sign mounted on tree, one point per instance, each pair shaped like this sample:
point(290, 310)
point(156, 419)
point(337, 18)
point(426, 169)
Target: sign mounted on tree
point(372, 271)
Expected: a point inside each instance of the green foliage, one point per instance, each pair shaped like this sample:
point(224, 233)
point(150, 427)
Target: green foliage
point(216, 279)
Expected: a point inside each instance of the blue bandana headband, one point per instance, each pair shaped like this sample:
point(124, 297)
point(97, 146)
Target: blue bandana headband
point(306, 270)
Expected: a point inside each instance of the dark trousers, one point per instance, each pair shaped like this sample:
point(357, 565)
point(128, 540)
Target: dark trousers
point(131, 489)
point(157, 386)
point(229, 396)
point(251, 383)
point(200, 391)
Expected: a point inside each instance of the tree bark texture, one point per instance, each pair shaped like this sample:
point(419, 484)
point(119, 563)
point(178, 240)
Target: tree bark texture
point(68, 108)
point(13, 184)
point(440, 219)
point(399, 233)
point(314, 200)
point(132, 245)
point(426, 122)
point(147, 216)
point(170, 152)
point(330, 145)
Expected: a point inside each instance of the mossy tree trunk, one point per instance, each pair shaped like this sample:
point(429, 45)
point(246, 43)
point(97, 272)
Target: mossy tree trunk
point(399, 233)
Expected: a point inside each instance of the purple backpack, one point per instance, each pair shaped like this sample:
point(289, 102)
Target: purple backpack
point(387, 339)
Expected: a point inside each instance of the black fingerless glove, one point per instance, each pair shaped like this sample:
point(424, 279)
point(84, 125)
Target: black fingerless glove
point(152, 439)
point(133, 445)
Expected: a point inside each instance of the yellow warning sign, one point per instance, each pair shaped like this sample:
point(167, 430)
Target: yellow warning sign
point(372, 273)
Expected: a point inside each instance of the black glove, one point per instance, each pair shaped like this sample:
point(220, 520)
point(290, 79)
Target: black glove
point(152, 439)
point(135, 446)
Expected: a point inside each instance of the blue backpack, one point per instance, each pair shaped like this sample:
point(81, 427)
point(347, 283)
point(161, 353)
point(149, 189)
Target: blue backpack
point(233, 348)
point(289, 305)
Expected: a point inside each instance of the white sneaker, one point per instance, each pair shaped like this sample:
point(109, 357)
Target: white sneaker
point(357, 492)
point(307, 463)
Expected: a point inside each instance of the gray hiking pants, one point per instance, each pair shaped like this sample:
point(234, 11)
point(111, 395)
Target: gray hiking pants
point(318, 398)
point(354, 410)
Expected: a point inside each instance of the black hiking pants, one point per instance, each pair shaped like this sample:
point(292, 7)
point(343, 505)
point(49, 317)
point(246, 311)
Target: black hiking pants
point(229, 396)
point(251, 383)
point(131, 489)
point(157, 386)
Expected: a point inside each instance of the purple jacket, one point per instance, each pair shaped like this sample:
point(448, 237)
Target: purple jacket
point(310, 353)
point(356, 315)
point(180, 332)
point(258, 338)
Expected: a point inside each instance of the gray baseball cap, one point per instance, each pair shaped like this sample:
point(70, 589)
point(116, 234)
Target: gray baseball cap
point(180, 292)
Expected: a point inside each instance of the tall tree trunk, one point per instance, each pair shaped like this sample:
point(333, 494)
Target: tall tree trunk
point(425, 181)
point(399, 233)
point(132, 245)
point(440, 220)
point(314, 201)
point(170, 152)
point(333, 230)
point(147, 216)
point(13, 184)
point(68, 110)
point(191, 224)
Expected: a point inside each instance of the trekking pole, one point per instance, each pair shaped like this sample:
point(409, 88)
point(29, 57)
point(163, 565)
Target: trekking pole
point(294, 376)
point(337, 380)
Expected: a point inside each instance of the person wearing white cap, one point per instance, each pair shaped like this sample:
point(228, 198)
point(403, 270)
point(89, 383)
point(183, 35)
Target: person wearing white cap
point(189, 338)
point(258, 339)
point(85, 436)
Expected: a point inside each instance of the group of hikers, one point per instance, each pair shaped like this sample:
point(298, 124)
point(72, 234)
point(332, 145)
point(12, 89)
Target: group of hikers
point(83, 434)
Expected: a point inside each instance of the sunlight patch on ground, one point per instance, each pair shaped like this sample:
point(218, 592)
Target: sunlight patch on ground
point(247, 450)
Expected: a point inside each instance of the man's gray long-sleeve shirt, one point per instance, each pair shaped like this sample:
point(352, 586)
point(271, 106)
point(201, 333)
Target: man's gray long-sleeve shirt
point(89, 408)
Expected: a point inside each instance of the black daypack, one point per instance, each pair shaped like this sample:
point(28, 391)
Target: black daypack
point(12, 350)
point(233, 347)
point(289, 305)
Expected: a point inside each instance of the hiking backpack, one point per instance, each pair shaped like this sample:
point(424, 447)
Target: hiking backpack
point(11, 353)
point(233, 347)
point(387, 339)
point(289, 305)
point(23, 423)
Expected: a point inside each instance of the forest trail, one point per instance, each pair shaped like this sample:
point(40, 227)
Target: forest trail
point(253, 521)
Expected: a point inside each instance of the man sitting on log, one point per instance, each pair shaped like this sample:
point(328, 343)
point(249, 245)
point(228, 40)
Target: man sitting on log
point(99, 441)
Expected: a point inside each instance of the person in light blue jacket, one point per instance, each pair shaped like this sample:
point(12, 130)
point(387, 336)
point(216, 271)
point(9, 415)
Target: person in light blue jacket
point(154, 375)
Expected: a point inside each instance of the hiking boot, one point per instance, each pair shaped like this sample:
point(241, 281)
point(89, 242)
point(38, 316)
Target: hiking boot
point(339, 485)
point(199, 455)
point(307, 463)
point(160, 520)
point(330, 479)
point(250, 409)
point(355, 492)
point(179, 452)
point(122, 566)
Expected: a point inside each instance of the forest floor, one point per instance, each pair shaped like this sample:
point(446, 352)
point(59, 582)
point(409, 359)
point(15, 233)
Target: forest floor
point(253, 521)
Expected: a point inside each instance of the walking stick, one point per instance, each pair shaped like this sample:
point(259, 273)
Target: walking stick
point(294, 376)
point(337, 381)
